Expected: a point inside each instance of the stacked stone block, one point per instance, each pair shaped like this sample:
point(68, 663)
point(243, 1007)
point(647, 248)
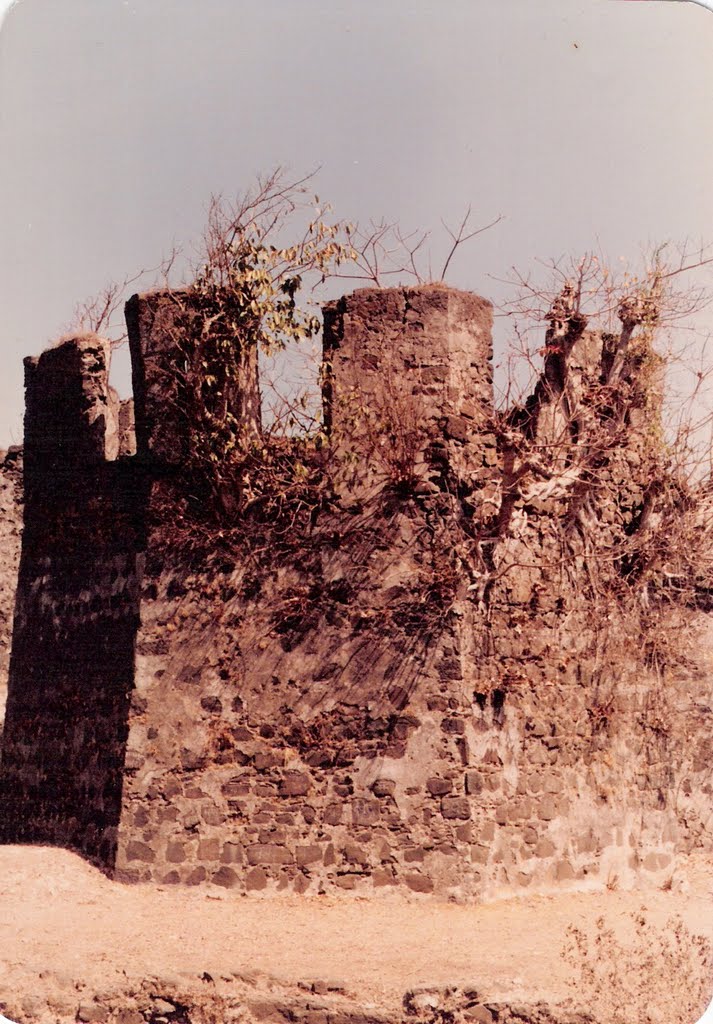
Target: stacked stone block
point(408, 380)
point(160, 327)
point(76, 609)
point(328, 725)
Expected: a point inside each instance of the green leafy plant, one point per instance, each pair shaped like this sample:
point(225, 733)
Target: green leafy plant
point(260, 255)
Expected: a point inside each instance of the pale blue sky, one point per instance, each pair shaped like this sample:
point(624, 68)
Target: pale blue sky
point(119, 118)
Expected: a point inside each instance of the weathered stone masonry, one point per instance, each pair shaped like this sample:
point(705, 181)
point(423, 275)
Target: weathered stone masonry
point(335, 720)
point(77, 607)
point(10, 539)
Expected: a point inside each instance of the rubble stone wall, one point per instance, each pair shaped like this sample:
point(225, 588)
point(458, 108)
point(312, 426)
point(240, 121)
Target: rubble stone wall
point(76, 609)
point(10, 541)
point(362, 761)
point(363, 711)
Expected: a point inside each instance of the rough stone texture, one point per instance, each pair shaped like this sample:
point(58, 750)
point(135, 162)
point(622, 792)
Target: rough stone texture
point(361, 712)
point(76, 609)
point(409, 383)
point(156, 322)
point(10, 539)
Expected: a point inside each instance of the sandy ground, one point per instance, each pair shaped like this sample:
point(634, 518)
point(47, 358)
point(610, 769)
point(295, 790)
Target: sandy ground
point(64, 925)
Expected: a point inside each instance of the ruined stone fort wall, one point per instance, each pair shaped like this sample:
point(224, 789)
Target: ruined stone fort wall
point(76, 608)
point(311, 773)
point(357, 713)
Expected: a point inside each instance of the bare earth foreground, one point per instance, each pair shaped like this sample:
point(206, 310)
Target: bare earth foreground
point(76, 946)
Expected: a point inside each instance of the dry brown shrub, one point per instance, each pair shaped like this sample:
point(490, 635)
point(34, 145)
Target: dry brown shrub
point(652, 975)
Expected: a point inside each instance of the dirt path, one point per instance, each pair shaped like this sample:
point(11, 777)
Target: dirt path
point(64, 925)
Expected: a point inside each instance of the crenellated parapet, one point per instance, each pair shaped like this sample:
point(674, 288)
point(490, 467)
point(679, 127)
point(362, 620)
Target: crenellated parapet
point(168, 331)
point(432, 343)
point(409, 686)
point(408, 385)
point(76, 607)
point(70, 412)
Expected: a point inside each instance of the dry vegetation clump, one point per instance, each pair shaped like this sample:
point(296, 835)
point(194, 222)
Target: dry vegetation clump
point(591, 493)
point(597, 490)
point(652, 976)
point(252, 294)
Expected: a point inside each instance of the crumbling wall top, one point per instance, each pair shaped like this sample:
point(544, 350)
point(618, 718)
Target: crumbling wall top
point(71, 413)
point(171, 334)
point(408, 371)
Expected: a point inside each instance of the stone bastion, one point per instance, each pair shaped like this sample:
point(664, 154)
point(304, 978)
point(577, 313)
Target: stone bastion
point(418, 690)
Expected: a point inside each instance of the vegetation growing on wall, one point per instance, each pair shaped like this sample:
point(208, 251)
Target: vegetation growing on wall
point(591, 491)
point(593, 434)
point(262, 261)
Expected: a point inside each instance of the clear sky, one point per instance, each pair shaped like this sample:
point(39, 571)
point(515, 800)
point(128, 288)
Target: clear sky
point(583, 122)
